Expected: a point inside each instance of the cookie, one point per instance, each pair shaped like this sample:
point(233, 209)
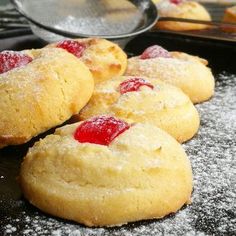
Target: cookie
point(145, 100)
point(182, 9)
point(105, 172)
point(230, 17)
point(187, 72)
point(39, 89)
point(105, 59)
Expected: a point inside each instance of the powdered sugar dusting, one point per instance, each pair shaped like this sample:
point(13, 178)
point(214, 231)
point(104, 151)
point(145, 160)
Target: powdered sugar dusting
point(165, 68)
point(92, 19)
point(212, 212)
point(11, 59)
point(167, 8)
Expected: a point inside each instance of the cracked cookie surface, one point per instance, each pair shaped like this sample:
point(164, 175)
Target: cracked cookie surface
point(104, 58)
point(42, 94)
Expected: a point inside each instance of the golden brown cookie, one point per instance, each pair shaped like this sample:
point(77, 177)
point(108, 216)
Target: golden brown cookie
point(230, 17)
point(40, 89)
point(145, 100)
point(188, 57)
point(105, 172)
point(182, 9)
point(187, 72)
point(105, 59)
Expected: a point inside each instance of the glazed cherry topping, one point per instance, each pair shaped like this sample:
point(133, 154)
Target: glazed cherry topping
point(73, 47)
point(10, 60)
point(132, 85)
point(176, 1)
point(100, 130)
point(155, 51)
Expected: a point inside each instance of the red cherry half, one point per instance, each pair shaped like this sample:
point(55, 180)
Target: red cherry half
point(10, 60)
point(73, 47)
point(100, 130)
point(155, 51)
point(176, 1)
point(134, 84)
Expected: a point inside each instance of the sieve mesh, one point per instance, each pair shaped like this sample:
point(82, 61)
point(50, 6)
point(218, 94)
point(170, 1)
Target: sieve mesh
point(110, 18)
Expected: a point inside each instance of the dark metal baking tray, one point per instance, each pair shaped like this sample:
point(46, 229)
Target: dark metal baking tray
point(211, 151)
point(216, 31)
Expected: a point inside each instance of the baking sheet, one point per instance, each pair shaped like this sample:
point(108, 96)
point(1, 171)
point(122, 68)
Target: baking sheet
point(212, 153)
point(216, 9)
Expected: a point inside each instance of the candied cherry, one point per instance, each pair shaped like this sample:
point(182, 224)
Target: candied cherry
point(176, 1)
point(73, 47)
point(10, 60)
point(133, 84)
point(155, 51)
point(100, 130)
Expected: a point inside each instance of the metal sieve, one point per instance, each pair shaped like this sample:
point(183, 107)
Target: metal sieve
point(111, 19)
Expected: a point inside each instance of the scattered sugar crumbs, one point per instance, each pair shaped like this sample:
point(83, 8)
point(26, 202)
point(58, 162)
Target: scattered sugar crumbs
point(213, 208)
